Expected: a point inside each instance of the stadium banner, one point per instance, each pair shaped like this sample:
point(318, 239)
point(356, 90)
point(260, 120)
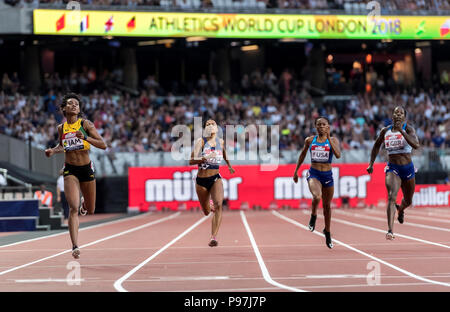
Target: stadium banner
point(258, 26)
point(151, 188)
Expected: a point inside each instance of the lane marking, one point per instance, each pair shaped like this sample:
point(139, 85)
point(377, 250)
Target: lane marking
point(363, 253)
point(244, 261)
point(337, 276)
point(384, 232)
point(409, 214)
point(49, 280)
point(80, 230)
point(381, 219)
point(118, 283)
point(371, 288)
point(94, 242)
point(182, 278)
point(261, 263)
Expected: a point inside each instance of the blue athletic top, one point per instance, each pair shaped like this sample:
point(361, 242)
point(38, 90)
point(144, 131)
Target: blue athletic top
point(320, 152)
point(214, 162)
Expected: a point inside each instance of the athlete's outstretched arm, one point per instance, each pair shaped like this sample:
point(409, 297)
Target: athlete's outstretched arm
point(410, 137)
point(58, 148)
point(225, 157)
point(195, 155)
point(94, 137)
point(376, 149)
point(302, 157)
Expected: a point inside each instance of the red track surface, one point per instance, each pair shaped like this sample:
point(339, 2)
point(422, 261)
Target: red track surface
point(147, 253)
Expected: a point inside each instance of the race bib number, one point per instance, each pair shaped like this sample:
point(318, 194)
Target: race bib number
point(394, 142)
point(71, 142)
point(320, 153)
point(213, 160)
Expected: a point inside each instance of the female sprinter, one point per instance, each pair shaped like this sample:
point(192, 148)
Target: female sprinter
point(320, 178)
point(208, 154)
point(75, 137)
point(399, 139)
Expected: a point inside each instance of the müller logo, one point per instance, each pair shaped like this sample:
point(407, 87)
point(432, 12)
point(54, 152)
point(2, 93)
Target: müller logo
point(182, 188)
point(351, 186)
point(429, 196)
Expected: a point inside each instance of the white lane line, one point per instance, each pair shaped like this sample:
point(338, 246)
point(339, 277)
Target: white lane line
point(336, 276)
point(383, 231)
point(183, 278)
point(118, 283)
point(272, 289)
point(409, 214)
point(363, 253)
point(50, 280)
point(80, 230)
point(94, 242)
point(381, 219)
point(261, 263)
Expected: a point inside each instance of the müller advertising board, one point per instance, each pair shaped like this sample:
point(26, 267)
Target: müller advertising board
point(174, 187)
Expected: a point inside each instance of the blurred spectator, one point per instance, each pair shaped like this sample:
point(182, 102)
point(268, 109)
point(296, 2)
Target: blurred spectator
point(3, 181)
point(60, 195)
point(45, 197)
point(388, 5)
point(143, 122)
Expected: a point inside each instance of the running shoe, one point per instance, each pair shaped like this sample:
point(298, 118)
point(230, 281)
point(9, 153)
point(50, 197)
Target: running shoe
point(211, 205)
point(390, 235)
point(83, 210)
point(75, 252)
point(312, 223)
point(328, 239)
point(401, 214)
point(213, 243)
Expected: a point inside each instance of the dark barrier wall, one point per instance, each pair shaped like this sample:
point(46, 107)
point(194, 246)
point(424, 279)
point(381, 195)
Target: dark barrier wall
point(18, 215)
point(112, 195)
point(431, 177)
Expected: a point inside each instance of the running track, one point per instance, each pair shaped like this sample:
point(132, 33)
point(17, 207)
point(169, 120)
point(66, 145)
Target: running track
point(258, 251)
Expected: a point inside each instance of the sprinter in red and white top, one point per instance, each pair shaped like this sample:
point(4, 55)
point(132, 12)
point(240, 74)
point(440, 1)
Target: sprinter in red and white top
point(399, 139)
point(209, 151)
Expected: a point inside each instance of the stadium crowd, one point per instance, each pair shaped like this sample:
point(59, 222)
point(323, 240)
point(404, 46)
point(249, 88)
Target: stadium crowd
point(143, 122)
point(349, 5)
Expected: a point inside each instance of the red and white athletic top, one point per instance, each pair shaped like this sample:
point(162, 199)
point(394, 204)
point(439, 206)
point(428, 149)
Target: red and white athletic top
point(395, 143)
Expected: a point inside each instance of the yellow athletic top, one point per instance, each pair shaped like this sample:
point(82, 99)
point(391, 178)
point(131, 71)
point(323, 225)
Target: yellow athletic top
point(69, 139)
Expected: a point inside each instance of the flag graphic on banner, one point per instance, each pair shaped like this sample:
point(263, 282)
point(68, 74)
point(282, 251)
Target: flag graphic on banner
point(84, 24)
point(109, 24)
point(132, 24)
point(445, 29)
point(61, 22)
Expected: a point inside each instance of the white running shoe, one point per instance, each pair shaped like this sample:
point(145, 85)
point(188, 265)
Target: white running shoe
point(390, 236)
point(76, 253)
point(83, 210)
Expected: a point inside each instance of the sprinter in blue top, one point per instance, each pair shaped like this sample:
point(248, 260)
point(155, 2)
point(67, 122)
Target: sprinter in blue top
point(320, 178)
point(399, 139)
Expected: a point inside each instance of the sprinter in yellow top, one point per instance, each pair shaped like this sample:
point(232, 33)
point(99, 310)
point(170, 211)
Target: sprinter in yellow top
point(70, 140)
point(75, 138)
